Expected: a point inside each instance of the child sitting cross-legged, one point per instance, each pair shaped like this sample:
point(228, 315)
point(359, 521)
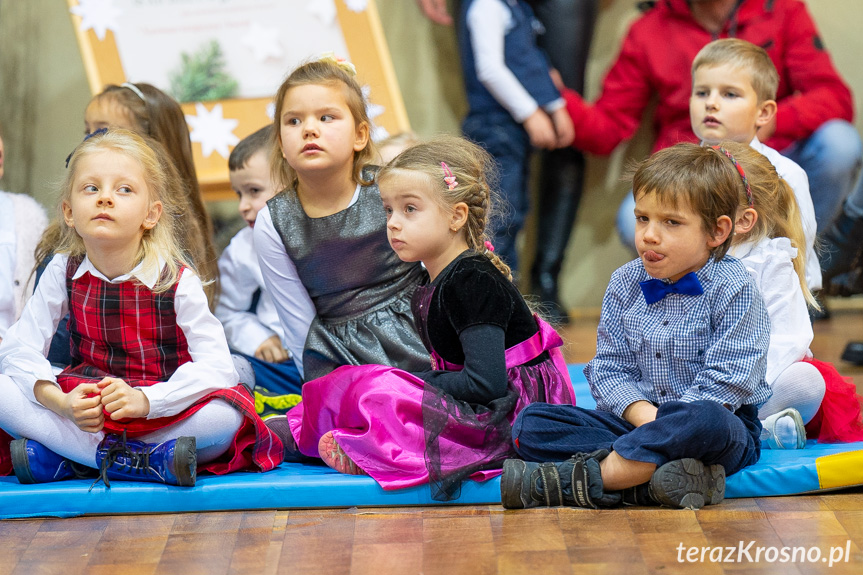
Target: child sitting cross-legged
point(152, 394)
point(679, 369)
point(245, 307)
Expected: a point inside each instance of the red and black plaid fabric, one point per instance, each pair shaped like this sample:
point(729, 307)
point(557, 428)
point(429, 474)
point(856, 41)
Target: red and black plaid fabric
point(122, 329)
point(125, 330)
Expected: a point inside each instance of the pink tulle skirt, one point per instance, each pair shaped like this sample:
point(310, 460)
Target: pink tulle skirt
point(381, 417)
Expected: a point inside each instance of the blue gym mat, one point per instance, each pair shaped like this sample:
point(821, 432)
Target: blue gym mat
point(816, 468)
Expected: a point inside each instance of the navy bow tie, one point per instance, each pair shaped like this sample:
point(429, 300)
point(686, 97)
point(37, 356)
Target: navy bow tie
point(655, 290)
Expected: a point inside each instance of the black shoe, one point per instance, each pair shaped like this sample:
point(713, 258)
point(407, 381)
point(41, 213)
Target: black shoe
point(279, 425)
point(576, 482)
point(688, 484)
point(853, 353)
point(638, 495)
point(847, 284)
point(841, 246)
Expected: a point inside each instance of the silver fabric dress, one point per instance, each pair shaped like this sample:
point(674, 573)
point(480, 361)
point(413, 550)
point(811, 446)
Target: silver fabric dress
point(361, 289)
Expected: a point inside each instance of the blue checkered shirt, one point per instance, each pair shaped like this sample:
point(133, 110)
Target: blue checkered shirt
point(711, 346)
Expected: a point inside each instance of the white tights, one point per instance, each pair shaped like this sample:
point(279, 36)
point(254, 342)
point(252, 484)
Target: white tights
point(800, 386)
point(213, 427)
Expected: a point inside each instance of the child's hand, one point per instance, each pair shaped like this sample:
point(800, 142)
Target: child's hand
point(81, 406)
point(563, 126)
point(272, 351)
point(540, 130)
point(123, 401)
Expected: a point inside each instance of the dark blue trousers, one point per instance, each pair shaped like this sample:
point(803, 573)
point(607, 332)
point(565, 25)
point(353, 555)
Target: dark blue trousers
point(703, 430)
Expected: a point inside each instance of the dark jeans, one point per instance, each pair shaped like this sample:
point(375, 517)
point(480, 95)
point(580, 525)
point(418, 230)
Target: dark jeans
point(703, 430)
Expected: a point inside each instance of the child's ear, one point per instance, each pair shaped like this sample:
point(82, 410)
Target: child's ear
point(721, 231)
point(745, 221)
point(153, 215)
point(766, 113)
point(67, 215)
point(362, 139)
point(459, 216)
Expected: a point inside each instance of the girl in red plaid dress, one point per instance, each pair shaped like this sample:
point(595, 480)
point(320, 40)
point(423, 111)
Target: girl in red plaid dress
point(152, 391)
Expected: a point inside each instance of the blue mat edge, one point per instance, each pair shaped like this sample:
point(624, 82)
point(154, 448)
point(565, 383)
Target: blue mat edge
point(298, 486)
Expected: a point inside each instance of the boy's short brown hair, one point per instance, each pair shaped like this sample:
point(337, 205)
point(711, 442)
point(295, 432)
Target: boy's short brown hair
point(744, 56)
point(695, 177)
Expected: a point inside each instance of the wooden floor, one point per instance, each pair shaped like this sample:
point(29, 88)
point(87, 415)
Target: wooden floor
point(474, 540)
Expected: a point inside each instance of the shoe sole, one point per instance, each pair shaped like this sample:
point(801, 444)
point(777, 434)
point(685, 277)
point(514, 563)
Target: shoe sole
point(186, 461)
point(335, 457)
point(20, 462)
point(511, 483)
point(688, 484)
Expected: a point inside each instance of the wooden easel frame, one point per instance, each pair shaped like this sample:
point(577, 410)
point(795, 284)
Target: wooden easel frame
point(366, 43)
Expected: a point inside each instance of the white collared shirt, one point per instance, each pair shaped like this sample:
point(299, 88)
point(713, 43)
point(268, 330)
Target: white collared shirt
point(23, 351)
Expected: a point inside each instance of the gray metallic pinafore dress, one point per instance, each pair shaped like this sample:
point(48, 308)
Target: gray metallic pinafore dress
point(361, 289)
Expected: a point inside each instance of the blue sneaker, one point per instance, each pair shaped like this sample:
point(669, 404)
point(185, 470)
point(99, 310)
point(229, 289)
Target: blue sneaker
point(172, 462)
point(35, 463)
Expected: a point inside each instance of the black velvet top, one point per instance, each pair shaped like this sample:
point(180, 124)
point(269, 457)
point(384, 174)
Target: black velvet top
point(474, 315)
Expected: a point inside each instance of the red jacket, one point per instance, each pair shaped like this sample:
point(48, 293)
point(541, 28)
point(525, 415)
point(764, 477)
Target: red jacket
point(656, 58)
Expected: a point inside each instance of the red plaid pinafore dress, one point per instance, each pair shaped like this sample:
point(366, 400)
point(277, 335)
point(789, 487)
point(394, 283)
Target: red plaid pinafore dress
point(125, 330)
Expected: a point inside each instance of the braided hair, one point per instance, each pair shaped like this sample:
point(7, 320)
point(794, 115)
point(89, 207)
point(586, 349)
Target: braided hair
point(475, 176)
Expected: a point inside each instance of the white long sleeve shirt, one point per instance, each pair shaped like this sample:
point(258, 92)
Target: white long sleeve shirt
point(769, 262)
point(23, 350)
point(488, 22)
point(240, 276)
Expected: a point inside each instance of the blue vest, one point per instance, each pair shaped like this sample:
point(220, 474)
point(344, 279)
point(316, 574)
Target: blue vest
point(521, 55)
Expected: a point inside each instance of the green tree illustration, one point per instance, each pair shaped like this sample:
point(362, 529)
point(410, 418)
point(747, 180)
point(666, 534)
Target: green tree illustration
point(201, 76)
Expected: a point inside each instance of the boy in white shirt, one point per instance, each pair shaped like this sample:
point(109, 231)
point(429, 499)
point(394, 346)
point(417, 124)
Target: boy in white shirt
point(245, 308)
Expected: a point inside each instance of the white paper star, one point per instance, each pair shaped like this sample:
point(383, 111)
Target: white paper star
point(356, 5)
point(263, 41)
point(271, 110)
point(212, 131)
point(373, 111)
point(325, 10)
point(100, 15)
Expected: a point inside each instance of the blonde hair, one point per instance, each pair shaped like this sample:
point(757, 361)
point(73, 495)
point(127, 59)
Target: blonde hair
point(322, 73)
point(162, 242)
point(160, 117)
point(777, 208)
point(743, 56)
point(701, 178)
point(475, 173)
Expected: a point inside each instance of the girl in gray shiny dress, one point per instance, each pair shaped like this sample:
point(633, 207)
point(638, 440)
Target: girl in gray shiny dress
point(342, 294)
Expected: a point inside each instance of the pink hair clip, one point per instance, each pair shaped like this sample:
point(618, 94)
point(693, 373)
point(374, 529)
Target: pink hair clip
point(448, 176)
point(488, 246)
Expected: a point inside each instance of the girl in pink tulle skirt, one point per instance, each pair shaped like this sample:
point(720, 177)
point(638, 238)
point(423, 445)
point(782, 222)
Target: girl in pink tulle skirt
point(490, 355)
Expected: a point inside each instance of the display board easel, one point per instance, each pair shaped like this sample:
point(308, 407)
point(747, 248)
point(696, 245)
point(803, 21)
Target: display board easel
point(123, 40)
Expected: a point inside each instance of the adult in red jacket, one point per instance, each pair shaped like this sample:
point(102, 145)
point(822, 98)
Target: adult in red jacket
point(814, 104)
